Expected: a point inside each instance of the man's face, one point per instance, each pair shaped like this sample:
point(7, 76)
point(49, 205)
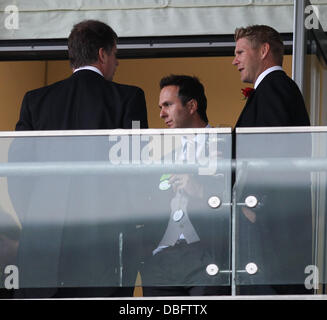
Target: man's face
point(110, 64)
point(172, 110)
point(247, 60)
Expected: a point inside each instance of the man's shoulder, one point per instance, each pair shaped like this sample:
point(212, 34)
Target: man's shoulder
point(47, 88)
point(93, 79)
point(278, 76)
point(124, 87)
point(278, 79)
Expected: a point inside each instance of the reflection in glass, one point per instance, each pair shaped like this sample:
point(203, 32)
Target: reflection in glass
point(94, 209)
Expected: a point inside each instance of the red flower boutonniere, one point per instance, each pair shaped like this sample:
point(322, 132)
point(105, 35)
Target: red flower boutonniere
point(247, 92)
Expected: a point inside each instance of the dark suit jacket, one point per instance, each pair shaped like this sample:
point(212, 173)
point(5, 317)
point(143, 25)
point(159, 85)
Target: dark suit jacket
point(83, 101)
point(277, 101)
point(71, 223)
point(279, 241)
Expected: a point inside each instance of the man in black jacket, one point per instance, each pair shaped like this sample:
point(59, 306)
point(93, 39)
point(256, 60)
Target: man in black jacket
point(185, 240)
point(276, 233)
point(276, 100)
point(77, 247)
point(88, 99)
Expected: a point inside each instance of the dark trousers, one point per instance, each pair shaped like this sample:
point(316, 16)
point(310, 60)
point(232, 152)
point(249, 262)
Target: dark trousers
point(180, 270)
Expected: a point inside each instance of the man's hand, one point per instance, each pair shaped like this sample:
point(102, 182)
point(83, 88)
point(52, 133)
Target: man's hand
point(8, 251)
point(186, 183)
point(250, 215)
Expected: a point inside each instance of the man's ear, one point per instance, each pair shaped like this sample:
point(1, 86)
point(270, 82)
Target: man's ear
point(193, 106)
point(101, 54)
point(264, 50)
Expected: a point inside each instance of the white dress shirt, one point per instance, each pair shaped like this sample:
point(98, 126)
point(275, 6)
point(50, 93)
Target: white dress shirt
point(92, 68)
point(199, 140)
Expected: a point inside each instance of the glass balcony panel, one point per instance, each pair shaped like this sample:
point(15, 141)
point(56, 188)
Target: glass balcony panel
point(93, 210)
point(274, 219)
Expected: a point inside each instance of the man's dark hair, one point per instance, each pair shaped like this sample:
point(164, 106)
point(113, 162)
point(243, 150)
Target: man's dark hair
point(189, 88)
point(85, 40)
point(260, 34)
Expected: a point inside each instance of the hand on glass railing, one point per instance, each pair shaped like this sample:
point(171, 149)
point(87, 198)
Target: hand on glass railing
point(8, 251)
point(249, 214)
point(187, 184)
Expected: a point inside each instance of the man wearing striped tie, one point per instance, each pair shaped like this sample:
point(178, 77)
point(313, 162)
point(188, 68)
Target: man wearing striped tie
point(182, 246)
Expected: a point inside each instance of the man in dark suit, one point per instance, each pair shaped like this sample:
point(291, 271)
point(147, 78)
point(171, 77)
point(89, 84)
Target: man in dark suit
point(185, 241)
point(77, 251)
point(88, 99)
point(276, 233)
point(276, 100)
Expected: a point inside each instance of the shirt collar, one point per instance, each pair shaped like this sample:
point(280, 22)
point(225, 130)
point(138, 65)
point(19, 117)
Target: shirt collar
point(200, 138)
point(266, 72)
point(92, 68)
